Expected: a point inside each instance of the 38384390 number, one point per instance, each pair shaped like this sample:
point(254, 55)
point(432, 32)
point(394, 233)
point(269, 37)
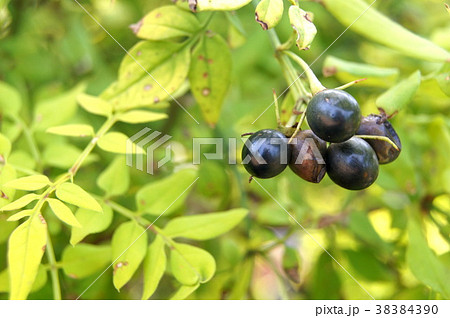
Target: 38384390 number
point(405, 309)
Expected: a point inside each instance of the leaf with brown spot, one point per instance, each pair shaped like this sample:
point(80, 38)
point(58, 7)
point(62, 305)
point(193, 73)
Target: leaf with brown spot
point(212, 57)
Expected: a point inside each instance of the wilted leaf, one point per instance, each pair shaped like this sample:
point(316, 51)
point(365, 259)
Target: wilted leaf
point(30, 183)
point(302, 24)
point(74, 194)
point(94, 105)
point(74, 130)
point(20, 202)
point(91, 222)
point(166, 22)
point(25, 249)
point(63, 212)
point(140, 116)
point(400, 95)
point(269, 12)
point(166, 195)
point(424, 264)
point(84, 260)
point(204, 226)
point(191, 265)
point(210, 75)
point(154, 267)
point(129, 246)
point(377, 27)
point(115, 180)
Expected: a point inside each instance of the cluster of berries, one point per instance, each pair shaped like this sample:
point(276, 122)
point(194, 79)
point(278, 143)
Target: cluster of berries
point(334, 117)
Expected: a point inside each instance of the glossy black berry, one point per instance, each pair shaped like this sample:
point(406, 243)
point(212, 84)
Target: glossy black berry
point(308, 156)
point(333, 115)
point(378, 125)
point(352, 164)
point(265, 154)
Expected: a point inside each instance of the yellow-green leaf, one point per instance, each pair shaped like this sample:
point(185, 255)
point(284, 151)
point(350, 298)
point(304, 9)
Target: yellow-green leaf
point(204, 226)
point(63, 212)
point(115, 180)
point(191, 265)
point(217, 5)
point(210, 74)
point(166, 22)
point(140, 116)
point(74, 194)
point(10, 100)
point(154, 267)
point(91, 222)
point(377, 27)
point(184, 291)
point(115, 142)
point(20, 202)
point(74, 130)
point(7, 173)
point(30, 183)
point(401, 94)
point(129, 246)
point(302, 24)
point(94, 105)
point(5, 148)
point(166, 195)
point(25, 249)
point(269, 12)
point(19, 215)
point(84, 260)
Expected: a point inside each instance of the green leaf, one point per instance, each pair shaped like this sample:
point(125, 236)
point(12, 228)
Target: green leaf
point(115, 180)
point(166, 195)
point(423, 263)
point(217, 5)
point(140, 116)
point(7, 173)
point(204, 226)
point(368, 266)
point(154, 267)
point(400, 95)
point(30, 183)
point(166, 22)
point(63, 212)
point(210, 75)
point(74, 130)
point(19, 215)
point(268, 13)
point(115, 142)
point(5, 148)
point(63, 155)
point(191, 265)
point(94, 105)
point(10, 100)
point(85, 260)
point(168, 64)
point(20, 202)
point(443, 79)
point(57, 110)
point(377, 27)
point(324, 274)
point(184, 291)
point(91, 222)
point(25, 249)
point(129, 246)
point(361, 226)
point(74, 194)
point(301, 22)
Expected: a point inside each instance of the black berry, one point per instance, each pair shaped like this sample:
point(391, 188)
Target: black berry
point(352, 164)
point(378, 125)
point(308, 156)
point(333, 115)
point(265, 154)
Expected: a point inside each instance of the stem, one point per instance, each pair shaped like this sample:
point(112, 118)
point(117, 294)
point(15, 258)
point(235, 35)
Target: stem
point(314, 83)
point(382, 138)
point(30, 140)
point(53, 269)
